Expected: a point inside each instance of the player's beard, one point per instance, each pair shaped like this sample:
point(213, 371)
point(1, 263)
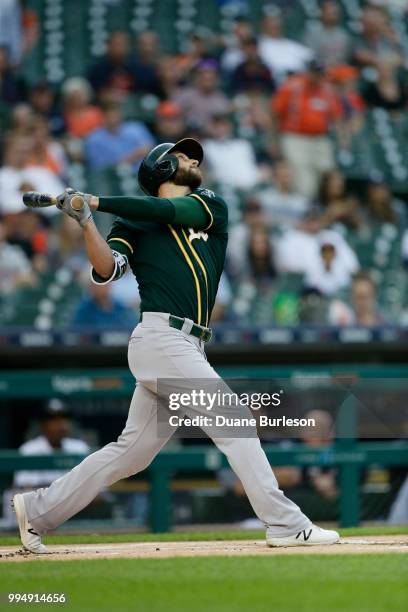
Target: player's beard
point(189, 177)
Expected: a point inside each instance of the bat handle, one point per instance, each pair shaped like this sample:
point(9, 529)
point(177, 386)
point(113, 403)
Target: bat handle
point(77, 202)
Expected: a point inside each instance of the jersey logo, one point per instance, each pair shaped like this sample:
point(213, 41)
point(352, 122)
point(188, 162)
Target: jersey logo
point(197, 235)
point(207, 192)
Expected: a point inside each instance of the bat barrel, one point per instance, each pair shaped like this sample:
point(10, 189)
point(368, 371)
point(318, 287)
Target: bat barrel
point(34, 199)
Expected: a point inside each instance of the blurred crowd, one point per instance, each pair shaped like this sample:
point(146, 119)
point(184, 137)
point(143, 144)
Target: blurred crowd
point(277, 117)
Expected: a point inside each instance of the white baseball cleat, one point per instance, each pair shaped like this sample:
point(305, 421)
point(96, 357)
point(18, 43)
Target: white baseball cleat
point(30, 539)
point(311, 536)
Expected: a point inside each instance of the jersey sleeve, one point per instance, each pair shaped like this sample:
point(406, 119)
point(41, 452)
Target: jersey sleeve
point(216, 209)
point(120, 241)
point(120, 238)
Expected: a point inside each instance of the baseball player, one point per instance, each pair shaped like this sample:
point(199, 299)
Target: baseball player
point(174, 241)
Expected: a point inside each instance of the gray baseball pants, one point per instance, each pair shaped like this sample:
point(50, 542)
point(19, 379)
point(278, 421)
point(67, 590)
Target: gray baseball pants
point(155, 349)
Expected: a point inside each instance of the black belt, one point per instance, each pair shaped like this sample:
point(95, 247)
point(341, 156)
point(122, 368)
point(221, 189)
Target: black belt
point(198, 331)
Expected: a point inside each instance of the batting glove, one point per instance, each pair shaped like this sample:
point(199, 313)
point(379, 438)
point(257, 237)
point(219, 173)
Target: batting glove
point(75, 204)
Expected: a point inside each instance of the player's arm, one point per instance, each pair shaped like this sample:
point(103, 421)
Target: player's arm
point(109, 262)
point(184, 211)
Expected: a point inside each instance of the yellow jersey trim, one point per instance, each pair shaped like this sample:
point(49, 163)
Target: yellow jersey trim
point(195, 195)
point(200, 263)
point(124, 242)
point(191, 266)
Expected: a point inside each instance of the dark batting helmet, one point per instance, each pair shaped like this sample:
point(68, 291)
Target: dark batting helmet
point(160, 165)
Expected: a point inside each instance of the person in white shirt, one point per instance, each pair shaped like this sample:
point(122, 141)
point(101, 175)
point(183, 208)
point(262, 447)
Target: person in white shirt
point(283, 206)
point(15, 176)
point(323, 256)
point(231, 161)
point(296, 248)
point(332, 267)
point(55, 430)
point(282, 55)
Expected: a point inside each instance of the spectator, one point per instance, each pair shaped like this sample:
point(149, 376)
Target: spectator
point(296, 248)
point(99, 310)
point(81, 117)
point(225, 154)
point(15, 268)
point(45, 151)
point(252, 75)
point(260, 257)
point(337, 204)
point(253, 219)
point(253, 279)
point(16, 177)
point(326, 38)
point(319, 480)
point(377, 42)
point(145, 66)
point(233, 54)
point(389, 91)
point(42, 100)
point(254, 120)
point(201, 45)
point(282, 55)
point(283, 206)
point(54, 437)
point(22, 118)
point(67, 246)
point(322, 481)
point(380, 205)
point(169, 124)
point(169, 74)
point(119, 73)
point(126, 292)
point(345, 84)
point(308, 484)
point(12, 88)
point(306, 108)
point(115, 71)
point(331, 269)
point(222, 301)
point(364, 308)
point(117, 141)
point(203, 99)
point(11, 33)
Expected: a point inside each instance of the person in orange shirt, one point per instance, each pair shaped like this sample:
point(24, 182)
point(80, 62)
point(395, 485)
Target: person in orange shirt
point(305, 108)
point(80, 116)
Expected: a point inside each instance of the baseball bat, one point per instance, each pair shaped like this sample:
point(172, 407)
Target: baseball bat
point(34, 199)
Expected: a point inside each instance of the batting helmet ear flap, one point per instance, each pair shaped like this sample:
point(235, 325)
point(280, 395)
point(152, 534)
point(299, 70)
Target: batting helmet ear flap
point(166, 166)
point(157, 167)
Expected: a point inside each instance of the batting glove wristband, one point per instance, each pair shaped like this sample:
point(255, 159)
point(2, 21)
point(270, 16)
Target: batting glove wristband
point(75, 204)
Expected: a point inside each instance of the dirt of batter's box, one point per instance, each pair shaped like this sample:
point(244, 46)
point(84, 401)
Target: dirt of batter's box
point(160, 550)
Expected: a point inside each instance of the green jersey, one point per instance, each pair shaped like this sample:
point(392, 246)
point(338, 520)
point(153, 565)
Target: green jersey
point(177, 268)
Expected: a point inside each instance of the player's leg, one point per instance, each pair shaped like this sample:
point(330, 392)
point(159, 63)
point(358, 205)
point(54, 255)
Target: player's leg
point(182, 362)
point(131, 453)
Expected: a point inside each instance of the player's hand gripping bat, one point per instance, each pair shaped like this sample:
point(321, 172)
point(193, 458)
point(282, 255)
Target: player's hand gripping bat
point(73, 203)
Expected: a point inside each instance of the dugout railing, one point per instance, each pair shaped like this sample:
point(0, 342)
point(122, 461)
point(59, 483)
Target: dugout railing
point(349, 456)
